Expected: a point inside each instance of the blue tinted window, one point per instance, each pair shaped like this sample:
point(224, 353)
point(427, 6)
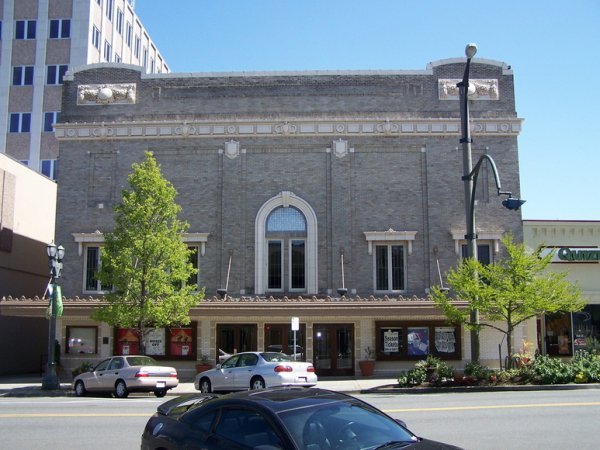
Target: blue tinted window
point(286, 219)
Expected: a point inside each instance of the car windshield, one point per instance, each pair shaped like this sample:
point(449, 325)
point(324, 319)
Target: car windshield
point(141, 361)
point(275, 357)
point(347, 424)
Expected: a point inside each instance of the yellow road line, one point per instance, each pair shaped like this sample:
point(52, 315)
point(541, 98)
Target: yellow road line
point(23, 415)
point(474, 408)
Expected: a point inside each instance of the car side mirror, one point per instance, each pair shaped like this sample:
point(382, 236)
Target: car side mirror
point(218, 366)
point(402, 423)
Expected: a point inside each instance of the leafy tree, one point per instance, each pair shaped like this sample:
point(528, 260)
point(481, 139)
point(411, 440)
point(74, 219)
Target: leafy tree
point(507, 292)
point(144, 258)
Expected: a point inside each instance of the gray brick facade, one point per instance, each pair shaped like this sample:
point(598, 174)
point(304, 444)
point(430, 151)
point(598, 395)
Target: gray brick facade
point(399, 167)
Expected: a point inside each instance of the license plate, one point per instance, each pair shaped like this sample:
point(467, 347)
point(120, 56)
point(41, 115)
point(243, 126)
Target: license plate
point(161, 384)
point(302, 379)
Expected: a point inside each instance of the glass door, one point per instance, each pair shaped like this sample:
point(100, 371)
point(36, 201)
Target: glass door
point(333, 349)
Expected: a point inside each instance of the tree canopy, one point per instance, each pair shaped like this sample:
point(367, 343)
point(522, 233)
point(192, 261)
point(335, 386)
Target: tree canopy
point(144, 259)
point(507, 292)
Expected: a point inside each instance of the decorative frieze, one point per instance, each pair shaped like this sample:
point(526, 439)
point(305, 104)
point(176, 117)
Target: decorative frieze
point(305, 127)
point(104, 94)
point(479, 89)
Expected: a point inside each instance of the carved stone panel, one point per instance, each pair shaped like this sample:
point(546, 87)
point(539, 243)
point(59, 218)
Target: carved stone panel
point(481, 89)
point(104, 94)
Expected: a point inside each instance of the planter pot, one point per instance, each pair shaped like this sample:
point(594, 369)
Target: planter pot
point(366, 368)
point(203, 367)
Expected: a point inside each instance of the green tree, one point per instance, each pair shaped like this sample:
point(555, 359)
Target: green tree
point(508, 292)
point(144, 258)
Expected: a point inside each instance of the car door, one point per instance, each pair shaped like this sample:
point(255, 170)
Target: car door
point(112, 373)
point(223, 377)
point(245, 428)
point(92, 381)
point(245, 370)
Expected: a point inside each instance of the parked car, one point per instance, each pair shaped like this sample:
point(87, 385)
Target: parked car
point(256, 370)
point(277, 419)
point(124, 374)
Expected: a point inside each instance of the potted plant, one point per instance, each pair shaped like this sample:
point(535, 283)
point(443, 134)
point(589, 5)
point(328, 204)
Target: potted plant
point(367, 365)
point(203, 364)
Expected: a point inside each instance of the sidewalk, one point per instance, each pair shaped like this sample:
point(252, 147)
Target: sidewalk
point(31, 386)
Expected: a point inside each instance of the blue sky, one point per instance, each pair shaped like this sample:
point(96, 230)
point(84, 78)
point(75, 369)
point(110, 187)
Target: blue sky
point(553, 48)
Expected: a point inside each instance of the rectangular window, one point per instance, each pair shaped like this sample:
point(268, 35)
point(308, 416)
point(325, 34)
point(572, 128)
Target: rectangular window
point(109, 9)
point(49, 168)
point(298, 264)
point(275, 270)
point(136, 48)
point(107, 51)
point(92, 264)
point(119, 24)
point(117, 58)
point(50, 118)
point(25, 29)
point(484, 255)
point(22, 76)
point(193, 279)
point(416, 340)
point(96, 37)
point(160, 343)
point(55, 74)
point(82, 340)
point(128, 34)
point(20, 122)
point(60, 28)
point(389, 268)
point(145, 58)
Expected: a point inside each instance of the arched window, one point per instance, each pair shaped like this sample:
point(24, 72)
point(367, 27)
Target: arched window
point(286, 246)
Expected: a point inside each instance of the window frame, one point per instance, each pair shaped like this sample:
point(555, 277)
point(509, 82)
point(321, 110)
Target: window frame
point(55, 74)
point(390, 278)
point(25, 29)
point(53, 168)
point(62, 31)
point(96, 37)
point(48, 125)
point(107, 51)
point(23, 122)
point(25, 75)
point(169, 340)
point(119, 21)
point(432, 326)
point(69, 337)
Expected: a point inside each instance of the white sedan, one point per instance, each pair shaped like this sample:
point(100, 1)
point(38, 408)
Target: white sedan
point(256, 370)
point(124, 374)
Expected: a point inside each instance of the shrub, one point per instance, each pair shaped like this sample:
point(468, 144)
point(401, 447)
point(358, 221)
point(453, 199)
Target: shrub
point(548, 370)
point(476, 370)
point(84, 367)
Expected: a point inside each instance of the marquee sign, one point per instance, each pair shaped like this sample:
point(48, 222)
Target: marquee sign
point(574, 254)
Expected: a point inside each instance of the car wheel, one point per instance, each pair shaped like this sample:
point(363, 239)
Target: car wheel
point(121, 389)
point(205, 387)
point(160, 393)
point(257, 383)
point(80, 389)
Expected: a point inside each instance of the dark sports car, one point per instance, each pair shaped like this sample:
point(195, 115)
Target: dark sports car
point(280, 418)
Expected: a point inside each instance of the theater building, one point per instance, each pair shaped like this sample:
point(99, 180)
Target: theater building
point(576, 246)
point(331, 197)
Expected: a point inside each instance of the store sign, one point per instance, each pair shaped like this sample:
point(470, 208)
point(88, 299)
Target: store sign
point(391, 341)
point(574, 254)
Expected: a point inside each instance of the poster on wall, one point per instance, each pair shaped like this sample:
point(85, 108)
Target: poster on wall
point(445, 339)
point(418, 341)
point(180, 341)
point(128, 342)
point(155, 342)
point(391, 341)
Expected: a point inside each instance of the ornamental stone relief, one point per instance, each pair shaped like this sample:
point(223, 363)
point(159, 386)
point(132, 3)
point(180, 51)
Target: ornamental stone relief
point(104, 94)
point(484, 89)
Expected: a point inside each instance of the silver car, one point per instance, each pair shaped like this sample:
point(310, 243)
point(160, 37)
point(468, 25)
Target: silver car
point(124, 374)
point(256, 370)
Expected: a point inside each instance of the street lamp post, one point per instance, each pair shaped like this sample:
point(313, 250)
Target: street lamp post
point(55, 257)
point(470, 184)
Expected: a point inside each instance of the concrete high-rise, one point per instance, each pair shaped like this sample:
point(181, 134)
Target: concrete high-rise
point(43, 39)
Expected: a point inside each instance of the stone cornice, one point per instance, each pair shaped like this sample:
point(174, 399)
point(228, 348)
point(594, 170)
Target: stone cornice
point(291, 127)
